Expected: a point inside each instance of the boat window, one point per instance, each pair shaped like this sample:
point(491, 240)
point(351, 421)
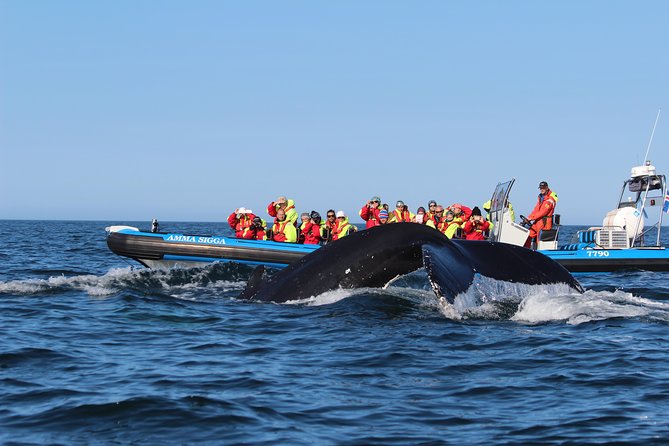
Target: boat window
point(639, 184)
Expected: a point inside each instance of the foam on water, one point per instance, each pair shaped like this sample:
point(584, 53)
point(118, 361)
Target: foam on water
point(179, 283)
point(587, 307)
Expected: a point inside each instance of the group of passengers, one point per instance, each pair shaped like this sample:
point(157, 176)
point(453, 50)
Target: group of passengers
point(311, 229)
point(456, 220)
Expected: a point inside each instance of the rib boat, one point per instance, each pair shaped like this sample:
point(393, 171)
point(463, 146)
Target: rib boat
point(622, 242)
point(167, 250)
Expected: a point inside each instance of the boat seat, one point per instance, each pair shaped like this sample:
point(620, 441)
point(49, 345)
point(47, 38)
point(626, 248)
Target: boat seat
point(587, 236)
point(574, 246)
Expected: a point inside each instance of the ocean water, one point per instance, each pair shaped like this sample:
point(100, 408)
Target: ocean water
point(96, 349)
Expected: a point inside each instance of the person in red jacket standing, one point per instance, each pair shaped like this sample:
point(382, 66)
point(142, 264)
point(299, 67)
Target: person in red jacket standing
point(370, 212)
point(541, 216)
point(240, 220)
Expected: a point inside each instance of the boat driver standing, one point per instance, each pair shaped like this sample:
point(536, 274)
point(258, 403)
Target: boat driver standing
point(541, 216)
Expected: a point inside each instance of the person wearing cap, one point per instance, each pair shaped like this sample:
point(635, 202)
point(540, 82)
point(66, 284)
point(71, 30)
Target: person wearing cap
point(476, 227)
point(288, 205)
point(240, 220)
point(541, 216)
point(401, 214)
point(370, 212)
point(343, 227)
point(283, 229)
point(309, 232)
point(257, 230)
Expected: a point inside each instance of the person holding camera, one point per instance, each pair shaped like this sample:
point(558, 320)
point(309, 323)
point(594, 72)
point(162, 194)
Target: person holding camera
point(370, 212)
point(476, 228)
point(257, 230)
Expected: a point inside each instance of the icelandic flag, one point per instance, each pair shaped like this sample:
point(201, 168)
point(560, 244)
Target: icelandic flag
point(665, 205)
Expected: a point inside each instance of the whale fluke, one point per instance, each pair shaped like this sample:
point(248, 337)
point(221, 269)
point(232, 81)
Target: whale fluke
point(373, 257)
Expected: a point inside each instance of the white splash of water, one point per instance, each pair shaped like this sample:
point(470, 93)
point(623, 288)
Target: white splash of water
point(546, 303)
point(119, 279)
point(589, 306)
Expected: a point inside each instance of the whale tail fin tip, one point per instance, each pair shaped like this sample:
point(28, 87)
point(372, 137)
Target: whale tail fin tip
point(254, 283)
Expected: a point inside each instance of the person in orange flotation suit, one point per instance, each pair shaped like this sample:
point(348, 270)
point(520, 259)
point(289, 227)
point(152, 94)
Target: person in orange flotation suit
point(541, 216)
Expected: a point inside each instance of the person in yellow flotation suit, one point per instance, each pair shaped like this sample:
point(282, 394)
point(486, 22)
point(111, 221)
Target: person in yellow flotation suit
point(283, 230)
point(450, 224)
point(400, 214)
point(287, 205)
point(488, 204)
point(343, 227)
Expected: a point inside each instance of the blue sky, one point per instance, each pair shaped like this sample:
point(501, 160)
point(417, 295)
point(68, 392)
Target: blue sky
point(130, 110)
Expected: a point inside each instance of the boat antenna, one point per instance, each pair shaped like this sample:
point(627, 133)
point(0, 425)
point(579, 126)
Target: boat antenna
point(645, 160)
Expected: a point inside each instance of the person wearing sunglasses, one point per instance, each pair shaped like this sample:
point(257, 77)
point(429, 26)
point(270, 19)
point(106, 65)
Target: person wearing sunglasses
point(370, 212)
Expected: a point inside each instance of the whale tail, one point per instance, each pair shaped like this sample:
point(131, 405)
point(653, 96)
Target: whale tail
point(372, 257)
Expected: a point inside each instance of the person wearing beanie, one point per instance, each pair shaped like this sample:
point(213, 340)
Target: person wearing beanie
point(383, 217)
point(476, 227)
point(421, 216)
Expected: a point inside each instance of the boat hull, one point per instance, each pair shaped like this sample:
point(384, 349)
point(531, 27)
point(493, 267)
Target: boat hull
point(165, 250)
point(608, 260)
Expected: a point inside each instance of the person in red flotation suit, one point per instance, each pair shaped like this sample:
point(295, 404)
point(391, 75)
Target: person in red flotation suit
point(256, 231)
point(240, 220)
point(476, 227)
point(310, 232)
point(370, 212)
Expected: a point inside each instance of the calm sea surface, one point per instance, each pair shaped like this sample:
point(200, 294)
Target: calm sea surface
point(96, 349)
